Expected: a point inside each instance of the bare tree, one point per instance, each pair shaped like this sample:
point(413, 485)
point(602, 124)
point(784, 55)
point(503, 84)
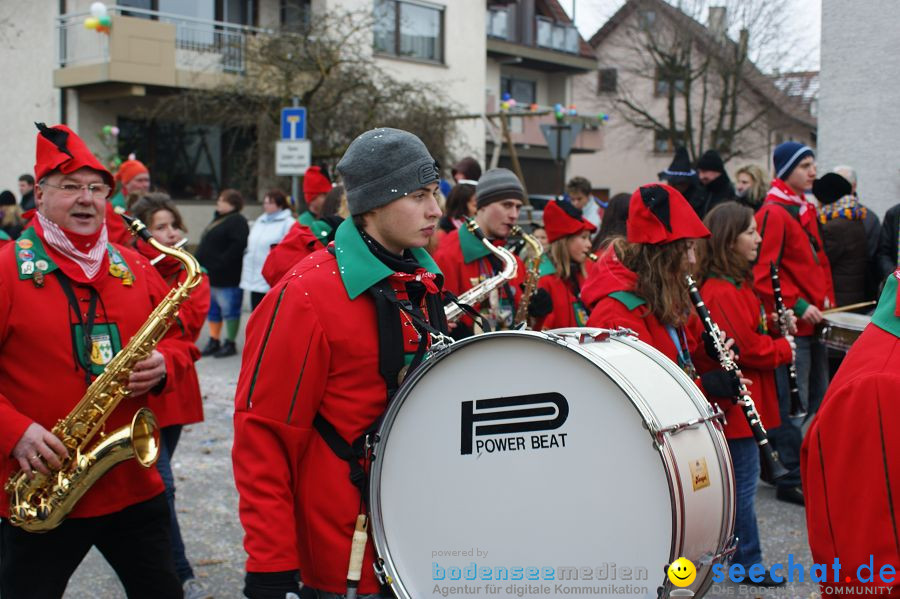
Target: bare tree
point(707, 77)
point(329, 66)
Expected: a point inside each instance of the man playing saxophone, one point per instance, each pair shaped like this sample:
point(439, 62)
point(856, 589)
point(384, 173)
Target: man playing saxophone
point(466, 262)
point(69, 301)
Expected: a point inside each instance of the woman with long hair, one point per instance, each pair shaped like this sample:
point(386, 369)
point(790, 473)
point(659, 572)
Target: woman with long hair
point(727, 258)
point(460, 206)
point(639, 283)
point(569, 234)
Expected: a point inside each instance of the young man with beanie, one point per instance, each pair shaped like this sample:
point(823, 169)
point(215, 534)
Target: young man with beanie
point(717, 187)
point(69, 301)
point(851, 455)
point(681, 175)
point(324, 354)
point(466, 262)
point(133, 178)
point(790, 239)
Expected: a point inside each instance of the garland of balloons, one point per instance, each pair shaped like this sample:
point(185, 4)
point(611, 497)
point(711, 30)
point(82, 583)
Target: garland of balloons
point(507, 103)
point(99, 21)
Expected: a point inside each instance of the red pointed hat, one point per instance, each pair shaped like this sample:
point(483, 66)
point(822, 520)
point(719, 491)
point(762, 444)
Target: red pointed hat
point(659, 214)
point(315, 182)
point(562, 219)
point(59, 148)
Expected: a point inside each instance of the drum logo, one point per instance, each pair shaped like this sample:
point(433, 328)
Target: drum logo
point(511, 415)
point(699, 474)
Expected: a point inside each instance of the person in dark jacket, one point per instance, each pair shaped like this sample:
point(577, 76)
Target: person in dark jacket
point(841, 218)
point(26, 190)
point(681, 175)
point(889, 243)
point(717, 187)
point(10, 214)
point(221, 253)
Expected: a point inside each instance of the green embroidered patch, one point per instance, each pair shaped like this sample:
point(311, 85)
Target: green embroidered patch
point(105, 343)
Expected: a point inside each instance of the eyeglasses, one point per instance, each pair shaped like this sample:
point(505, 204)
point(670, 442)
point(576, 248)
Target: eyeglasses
point(98, 191)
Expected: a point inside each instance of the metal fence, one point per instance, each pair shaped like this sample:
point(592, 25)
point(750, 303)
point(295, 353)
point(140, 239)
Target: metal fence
point(199, 43)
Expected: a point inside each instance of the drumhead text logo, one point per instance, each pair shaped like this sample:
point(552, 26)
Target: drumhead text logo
point(510, 415)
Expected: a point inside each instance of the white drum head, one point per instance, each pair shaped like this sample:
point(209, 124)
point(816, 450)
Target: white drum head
point(573, 493)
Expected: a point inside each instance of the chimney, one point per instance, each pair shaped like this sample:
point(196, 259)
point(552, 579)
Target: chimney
point(716, 23)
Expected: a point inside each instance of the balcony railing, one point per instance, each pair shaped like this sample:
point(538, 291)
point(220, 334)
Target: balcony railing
point(200, 44)
point(497, 23)
point(556, 36)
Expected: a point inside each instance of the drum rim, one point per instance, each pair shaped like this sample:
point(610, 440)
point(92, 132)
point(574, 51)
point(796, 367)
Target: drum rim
point(383, 558)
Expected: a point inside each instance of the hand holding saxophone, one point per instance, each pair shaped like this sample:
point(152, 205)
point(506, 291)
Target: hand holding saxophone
point(38, 448)
point(147, 373)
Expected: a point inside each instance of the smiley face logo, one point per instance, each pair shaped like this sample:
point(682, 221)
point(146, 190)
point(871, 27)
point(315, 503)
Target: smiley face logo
point(682, 572)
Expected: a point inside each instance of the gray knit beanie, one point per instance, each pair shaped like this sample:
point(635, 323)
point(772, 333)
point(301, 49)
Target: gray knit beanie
point(382, 165)
point(496, 185)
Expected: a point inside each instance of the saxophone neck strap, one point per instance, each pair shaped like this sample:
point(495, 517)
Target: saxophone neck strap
point(85, 320)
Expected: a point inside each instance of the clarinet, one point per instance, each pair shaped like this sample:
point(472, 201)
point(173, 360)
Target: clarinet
point(797, 410)
point(768, 453)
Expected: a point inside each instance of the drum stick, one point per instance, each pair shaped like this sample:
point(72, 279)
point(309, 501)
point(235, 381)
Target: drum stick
point(181, 243)
point(849, 307)
point(357, 550)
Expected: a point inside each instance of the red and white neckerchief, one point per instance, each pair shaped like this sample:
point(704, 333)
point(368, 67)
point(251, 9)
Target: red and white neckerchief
point(89, 261)
point(781, 193)
point(421, 275)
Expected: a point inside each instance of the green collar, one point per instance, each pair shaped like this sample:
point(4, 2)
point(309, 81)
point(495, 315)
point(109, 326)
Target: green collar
point(731, 280)
point(321, 230)
point(4, 236)
point(884, 317)
point(360, 269)
point(546, 267)
point(472, 248)
point(118, 200)
point(306, 218)
point(628, 298)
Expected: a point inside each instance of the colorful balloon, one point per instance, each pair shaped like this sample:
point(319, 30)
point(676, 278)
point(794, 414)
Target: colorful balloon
point(115, 131)
point(105, 21)
point(91, 23)
point(98, 9)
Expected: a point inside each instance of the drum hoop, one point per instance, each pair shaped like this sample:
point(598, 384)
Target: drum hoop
point(384, 564)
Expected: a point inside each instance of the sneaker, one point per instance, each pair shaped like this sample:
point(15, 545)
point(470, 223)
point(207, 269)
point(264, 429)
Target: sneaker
point(790, 495)
point(228, 349)
point(212, 346)
point(194, 589)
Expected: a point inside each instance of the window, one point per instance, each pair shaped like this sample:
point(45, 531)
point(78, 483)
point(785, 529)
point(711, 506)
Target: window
point(409, 29)
point(664, 79)
point(558, 36)
point(663, 142)
point(647, 19)
point(295, 15)
point(524, 91)
point(498, 22)
point(607, 80)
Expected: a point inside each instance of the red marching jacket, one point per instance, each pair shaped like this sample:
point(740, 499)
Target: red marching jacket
point(184, 403)
point(799, 253)
point(737, 311)
point(568, 310)
point(39, 379)
point(299, 243)
point(312, 347)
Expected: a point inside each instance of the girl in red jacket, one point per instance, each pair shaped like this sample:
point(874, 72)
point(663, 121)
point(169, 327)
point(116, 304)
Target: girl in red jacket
point(733, 304)
point(569, 234)
point(184, 404)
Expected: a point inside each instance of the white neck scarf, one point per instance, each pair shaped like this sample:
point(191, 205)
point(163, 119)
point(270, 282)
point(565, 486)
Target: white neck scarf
point(90, 261)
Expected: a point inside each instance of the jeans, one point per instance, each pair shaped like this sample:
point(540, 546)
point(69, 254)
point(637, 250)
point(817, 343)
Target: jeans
point(745, 457)
point(787, 438)
point(169, 436)
point(134, 540)
point(225, 302)
point(812, 372)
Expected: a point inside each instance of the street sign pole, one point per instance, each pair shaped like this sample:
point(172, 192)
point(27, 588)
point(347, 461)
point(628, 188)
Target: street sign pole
point(295, 180)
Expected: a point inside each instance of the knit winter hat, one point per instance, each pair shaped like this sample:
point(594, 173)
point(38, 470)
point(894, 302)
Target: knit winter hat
point(496, 185)
point(711, 161)
point(7, 198)
point(382, 165)
point(680, 167)
point(830, 188)
point(787, 156)
point(659, 214)
point(562, 219)
point(59, 148)
point(129, 170)
point(469, 168)
point(315, 182)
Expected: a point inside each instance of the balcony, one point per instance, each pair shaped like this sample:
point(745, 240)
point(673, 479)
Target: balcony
point(554, 46)
point(525, 131)
point(146, 47)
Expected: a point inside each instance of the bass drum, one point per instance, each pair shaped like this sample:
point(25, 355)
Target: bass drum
point(551, 464)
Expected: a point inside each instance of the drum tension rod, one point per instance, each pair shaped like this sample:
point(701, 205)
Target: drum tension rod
point(674, 429)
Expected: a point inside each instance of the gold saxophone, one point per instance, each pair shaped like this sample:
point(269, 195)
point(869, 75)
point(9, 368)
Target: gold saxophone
point(41, 503)
point(481, 291)
point(533, 268)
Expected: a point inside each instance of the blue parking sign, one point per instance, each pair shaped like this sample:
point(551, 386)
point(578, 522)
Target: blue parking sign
point(293, 123)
